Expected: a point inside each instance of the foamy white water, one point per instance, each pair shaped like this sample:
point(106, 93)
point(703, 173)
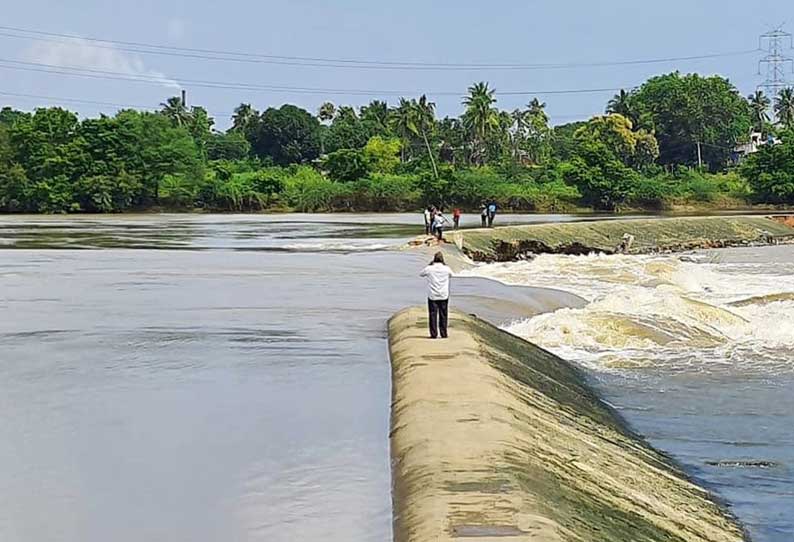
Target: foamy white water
point(649, 310)
point(697, 351)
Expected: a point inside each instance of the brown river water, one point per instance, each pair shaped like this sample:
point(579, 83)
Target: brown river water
point(204, 378)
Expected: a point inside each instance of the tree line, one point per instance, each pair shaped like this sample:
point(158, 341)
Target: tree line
point(669, 142)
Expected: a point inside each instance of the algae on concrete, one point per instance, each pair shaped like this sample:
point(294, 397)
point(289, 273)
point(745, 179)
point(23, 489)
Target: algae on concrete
point(496, 439)
point(651, 235)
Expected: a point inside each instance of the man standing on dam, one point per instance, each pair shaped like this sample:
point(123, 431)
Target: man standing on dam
point(437, 275)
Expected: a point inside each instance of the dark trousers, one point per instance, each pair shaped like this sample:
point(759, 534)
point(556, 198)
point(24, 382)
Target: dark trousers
point(439, 232)
point(456, 220)
point(491, 216)
point(438, 311)
point(484, 221)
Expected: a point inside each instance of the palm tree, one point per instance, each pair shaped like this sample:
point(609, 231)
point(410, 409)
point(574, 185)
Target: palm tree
point(759, 105)
point(480, 117)
point(377, 112)
point(425, 114)
point(620, 104)
point(519, 128)
point(175, 110)
point(403, 122)
point(242, 117)
point(537, 110)
point(326, 112)
point(784, 107)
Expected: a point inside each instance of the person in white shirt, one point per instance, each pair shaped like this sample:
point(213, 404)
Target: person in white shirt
point(437, 275)
point(428, 220)
point(438, 225)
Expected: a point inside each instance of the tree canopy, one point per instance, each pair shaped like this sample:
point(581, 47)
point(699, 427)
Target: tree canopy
point(643, 153)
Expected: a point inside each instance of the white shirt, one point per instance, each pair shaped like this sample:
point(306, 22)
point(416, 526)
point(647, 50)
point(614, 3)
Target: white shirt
point(437, 275)
point(427, 216)
point(440, 220)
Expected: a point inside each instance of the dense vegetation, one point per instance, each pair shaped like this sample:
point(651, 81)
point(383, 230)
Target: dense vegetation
point(669, 142)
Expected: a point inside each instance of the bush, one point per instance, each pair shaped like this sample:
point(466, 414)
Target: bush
point(388, 193)
point(346, 165)
point(306, 190)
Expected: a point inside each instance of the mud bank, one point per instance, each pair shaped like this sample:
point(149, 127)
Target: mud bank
point(651, 235)
point(495, 439)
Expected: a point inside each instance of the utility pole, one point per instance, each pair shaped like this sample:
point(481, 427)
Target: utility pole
point(700, 156)
point(777, 65)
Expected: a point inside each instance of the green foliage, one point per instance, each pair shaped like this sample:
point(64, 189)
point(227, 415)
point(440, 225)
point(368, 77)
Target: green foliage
point(685, 110)
point(388, 192)
point(288, 135)
point(383, 155)
point(106, 194)
point(15, 190)
point(770, 171)
point(346, 165)
point(347, 131)
point(604, 181)
point(308, 191)
point(178, 191)
point(400, 158)
point(615, 132)
point(228, 146)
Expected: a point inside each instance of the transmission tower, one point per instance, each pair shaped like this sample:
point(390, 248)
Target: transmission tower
point(778, 66)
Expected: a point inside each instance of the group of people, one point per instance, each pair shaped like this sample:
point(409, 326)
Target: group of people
point(488, 214)
point(435, 221)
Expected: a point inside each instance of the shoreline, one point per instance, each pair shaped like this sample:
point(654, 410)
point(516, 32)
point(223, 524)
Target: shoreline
point(494, 437)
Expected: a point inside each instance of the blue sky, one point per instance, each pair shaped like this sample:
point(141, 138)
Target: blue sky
point(529, 32)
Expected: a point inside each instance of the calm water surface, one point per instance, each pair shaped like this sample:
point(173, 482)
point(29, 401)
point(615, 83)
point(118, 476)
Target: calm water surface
point(204, 378)
point(199, 378)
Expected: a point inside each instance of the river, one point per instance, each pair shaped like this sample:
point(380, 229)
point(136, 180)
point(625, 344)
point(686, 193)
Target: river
point(203, 378)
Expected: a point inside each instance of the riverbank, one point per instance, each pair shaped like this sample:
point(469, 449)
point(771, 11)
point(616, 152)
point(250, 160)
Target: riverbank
point(493, 437)
point(650, 235)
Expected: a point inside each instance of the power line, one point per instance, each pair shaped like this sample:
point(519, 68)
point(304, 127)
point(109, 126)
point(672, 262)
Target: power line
point(214, 114)
point(93, 102)
point(320, 62)
point(159, 80)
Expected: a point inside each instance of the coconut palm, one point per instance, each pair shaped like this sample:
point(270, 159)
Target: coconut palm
point(784, 107)
point(518, 130)
point(377, 113)
point(326, 112)
point(175, 110)
point(242, 117)
point(480, 118)
point(425, 114)
point(403, 122)
point(759, 105)
point(537, 110)
point(620, 104)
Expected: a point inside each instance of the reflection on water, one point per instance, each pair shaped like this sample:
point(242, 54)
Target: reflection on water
point(697, 351)
point(284, 233)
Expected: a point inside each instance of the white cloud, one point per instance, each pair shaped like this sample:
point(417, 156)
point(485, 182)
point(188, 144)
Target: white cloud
point(83, 54)
point(176, 29)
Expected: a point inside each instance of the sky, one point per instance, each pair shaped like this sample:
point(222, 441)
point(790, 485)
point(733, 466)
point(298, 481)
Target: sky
point(462, 32)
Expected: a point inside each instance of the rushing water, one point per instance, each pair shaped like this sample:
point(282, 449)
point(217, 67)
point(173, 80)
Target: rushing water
point(697, 352)
point(201, 378)
point(213, 378)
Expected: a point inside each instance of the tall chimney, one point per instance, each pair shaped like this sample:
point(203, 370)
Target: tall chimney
point(184, 98)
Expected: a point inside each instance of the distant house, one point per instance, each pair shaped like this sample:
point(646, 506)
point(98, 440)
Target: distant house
point(757, 140)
